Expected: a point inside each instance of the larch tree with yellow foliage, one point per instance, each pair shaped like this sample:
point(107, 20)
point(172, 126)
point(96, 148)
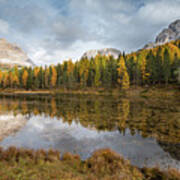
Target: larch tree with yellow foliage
point(25, 78)
point(54, 76)
point(1, 78)
point(144, 74)
point(6, 81)
point(36, 77)
point(70, 69)
point(11, 79)
point(16, 81)
point(123, 77)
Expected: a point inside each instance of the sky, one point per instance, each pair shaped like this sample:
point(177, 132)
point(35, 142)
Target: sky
point(50, 31)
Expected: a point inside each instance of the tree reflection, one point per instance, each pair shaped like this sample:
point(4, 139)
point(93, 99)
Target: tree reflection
point(150, 119)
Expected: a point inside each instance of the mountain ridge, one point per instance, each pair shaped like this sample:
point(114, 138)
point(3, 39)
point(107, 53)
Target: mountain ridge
point(171, 33)
point(11, 55)
point(104, 52)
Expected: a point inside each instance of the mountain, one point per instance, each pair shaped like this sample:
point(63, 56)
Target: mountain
point(166, 35)
point(104, 52)
point(11, 55)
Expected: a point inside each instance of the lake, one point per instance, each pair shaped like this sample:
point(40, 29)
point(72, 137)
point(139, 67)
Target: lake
point(145, 131)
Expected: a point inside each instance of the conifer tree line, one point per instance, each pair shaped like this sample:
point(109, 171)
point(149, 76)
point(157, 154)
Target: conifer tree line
point(160, 65)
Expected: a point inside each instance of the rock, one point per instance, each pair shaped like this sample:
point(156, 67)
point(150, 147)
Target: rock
point(11, 55)
point(104, 52)
point(166, 35)
point(149, 46)
point(169, 34)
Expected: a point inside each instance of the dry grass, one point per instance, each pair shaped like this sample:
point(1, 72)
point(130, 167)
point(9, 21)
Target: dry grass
point(104, 164)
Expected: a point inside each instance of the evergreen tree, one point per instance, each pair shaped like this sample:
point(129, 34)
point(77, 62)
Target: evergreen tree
point(97, 78)
point(166, 67)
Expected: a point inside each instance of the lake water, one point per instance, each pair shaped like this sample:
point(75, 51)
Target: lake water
point(145, 131)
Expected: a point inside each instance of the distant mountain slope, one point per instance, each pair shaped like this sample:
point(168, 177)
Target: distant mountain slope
point(173, 48)
point(11, 55)
point(104, 52)
point(166, 35)
point(172, 33)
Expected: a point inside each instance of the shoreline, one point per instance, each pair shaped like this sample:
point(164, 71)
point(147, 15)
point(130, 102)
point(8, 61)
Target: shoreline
point(132, 92)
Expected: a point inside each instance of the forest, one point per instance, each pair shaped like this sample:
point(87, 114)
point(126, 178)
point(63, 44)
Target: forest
point(160, 65)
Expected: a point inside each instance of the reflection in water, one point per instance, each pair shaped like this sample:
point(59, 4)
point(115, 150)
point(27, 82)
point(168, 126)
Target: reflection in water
point(10, 124)
point(172, 149)
point(134, 128)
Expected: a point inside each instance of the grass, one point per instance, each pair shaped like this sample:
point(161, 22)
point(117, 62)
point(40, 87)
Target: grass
point(16, 164)
point(133, 91)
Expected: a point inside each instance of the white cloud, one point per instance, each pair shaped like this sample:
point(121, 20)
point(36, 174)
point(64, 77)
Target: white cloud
point(42, 56)
point(49, 34)
point(160, 12)
point(4, 27)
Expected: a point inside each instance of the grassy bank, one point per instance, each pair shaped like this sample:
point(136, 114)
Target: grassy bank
point(104, 164)
point(152, 91)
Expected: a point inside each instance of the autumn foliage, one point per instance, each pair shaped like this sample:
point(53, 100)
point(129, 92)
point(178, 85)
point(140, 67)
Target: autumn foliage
point(160, 65)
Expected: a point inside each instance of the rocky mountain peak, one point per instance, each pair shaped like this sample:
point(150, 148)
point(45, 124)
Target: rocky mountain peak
point(169, 34)
point(172, 32)
point(104, 52)
point(11, 55)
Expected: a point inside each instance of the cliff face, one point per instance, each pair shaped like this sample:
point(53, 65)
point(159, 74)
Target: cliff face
point(104, 52)
point(166, 35)
point(169, 34)
point(11, 55)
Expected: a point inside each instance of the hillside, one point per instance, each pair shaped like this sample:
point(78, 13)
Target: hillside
point(156, 65)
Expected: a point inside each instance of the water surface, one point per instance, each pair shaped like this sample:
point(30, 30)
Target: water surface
point(145, 131)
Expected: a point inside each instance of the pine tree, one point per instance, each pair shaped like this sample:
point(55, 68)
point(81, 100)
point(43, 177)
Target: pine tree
point(30, 78)
point(97, 77)
point(59, 75)
point(40, 78)
point(46, 77)
point(70, 70)
point(157, 66)
point(36, 77)
point(91, 73)
point(1, 78)
point(65, 73)
point(16, 80)
point(143, 71)
point(175, 69)
point(166, 66)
